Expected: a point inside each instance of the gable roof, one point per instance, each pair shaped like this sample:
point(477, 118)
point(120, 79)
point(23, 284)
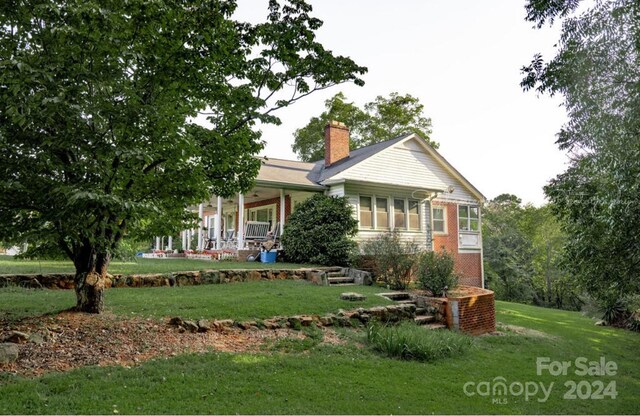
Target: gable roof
point(356, 156)
point(311, 175)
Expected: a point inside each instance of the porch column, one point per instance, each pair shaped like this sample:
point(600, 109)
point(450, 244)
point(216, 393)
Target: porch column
point(170, 243)
point(240, 230)
point(218, 222)
point(282, 201)
point(200, 229)
point(157, 245)
point(183, 234)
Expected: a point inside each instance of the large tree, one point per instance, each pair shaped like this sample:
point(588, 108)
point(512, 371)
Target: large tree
point(97, 101)
point(381, 119)
point(597, 71)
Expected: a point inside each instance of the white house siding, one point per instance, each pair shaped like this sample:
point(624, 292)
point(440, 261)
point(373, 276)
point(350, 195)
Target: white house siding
point(353, 192)
point(336, 190)
point(407, 164)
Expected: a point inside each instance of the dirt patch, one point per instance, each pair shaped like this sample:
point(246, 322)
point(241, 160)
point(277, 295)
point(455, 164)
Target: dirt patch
point(70, 340)
point(504, 329)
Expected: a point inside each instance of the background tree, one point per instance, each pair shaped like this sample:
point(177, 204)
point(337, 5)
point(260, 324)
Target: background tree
point(96, 103)
point(380, 120)
point(508, 252)
point(597, 200)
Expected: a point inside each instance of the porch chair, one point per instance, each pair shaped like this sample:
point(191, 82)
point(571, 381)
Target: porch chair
point(256, 231)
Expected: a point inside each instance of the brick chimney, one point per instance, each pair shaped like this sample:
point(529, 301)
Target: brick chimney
point(336, 142)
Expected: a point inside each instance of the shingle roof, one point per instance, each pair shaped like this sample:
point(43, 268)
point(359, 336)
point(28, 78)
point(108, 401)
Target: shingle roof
point(293, 172)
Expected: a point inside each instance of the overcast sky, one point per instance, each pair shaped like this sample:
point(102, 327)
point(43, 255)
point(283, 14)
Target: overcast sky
point(462, 59)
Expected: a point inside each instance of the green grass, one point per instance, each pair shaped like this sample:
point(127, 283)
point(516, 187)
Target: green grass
point(409, 341)
point(10, 265)
point(349, 379)
point(240, 301)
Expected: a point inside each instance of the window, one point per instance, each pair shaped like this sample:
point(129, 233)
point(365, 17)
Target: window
point(414, 214)
point(365, 212)
point(398, 213)
point(382, 213)
point(439, 222)
point(262, 214)
point(468, 218)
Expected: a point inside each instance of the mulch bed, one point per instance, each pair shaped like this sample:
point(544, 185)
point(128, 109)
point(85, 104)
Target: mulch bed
point(73, 340)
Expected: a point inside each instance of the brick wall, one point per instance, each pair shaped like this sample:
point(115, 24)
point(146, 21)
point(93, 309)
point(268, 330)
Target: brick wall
point(467, 265)
point(476, 310)
point(256, 204)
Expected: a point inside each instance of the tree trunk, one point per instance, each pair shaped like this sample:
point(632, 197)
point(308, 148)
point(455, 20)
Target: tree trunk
point(89, 292)
point(91, 274)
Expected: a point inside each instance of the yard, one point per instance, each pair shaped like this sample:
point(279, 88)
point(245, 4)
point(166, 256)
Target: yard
point(248, 372)
point(10, 265)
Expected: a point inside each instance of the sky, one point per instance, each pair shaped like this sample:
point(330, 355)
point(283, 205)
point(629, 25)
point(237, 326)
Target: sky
point(462, 59)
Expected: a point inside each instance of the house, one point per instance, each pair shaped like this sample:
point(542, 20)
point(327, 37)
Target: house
point(402, 184)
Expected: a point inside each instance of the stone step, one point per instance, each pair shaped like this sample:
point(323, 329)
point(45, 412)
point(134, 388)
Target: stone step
point(335, 274)
point(343, 284)
point(421, 311)
point(435, 326)
point(340, 279)
point(424, 319)
point(396, 296)
point(407, 302)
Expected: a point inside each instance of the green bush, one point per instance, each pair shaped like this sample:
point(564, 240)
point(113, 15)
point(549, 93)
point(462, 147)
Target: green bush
point(320, 231)
point(393, 260)
point(409, 341)
point(435, 272)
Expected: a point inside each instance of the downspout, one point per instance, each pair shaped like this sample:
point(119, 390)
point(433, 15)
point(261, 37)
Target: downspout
point(481, 245)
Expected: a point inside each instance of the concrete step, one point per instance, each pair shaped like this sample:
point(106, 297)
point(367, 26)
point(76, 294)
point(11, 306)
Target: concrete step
point(407, 302)
point(340, 279)
point(424, 319)
point(343, 284)
point(435, 326)
point(335, 274)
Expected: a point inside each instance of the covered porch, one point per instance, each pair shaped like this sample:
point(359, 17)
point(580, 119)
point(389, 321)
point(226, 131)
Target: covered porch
point(229, 226)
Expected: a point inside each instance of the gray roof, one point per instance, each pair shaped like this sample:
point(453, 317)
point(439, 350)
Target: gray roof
point(280, 171)
point(356, 156)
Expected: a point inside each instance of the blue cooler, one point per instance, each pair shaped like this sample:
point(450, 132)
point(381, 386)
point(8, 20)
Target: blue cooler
point(268, 256)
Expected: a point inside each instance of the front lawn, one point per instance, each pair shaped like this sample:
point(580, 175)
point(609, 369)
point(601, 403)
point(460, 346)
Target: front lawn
point(239, 301)
point(10, 265)
point(349, 379)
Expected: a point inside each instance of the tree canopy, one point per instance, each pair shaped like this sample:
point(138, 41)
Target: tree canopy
point(97, 101)
point(381, 119)
point(597, 71)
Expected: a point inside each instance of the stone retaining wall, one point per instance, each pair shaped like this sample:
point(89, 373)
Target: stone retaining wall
point(357, 317)
point(65, 280)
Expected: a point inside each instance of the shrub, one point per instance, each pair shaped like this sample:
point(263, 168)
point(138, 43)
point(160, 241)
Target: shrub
point(409, 341)
point(435, 272)
point(393, 260)
point(319, 231)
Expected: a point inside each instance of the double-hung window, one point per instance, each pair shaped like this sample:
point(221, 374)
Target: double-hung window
point(366, 220)
point(399, 221)
point(468, 218)
point(439, 220)
point(382, 213)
